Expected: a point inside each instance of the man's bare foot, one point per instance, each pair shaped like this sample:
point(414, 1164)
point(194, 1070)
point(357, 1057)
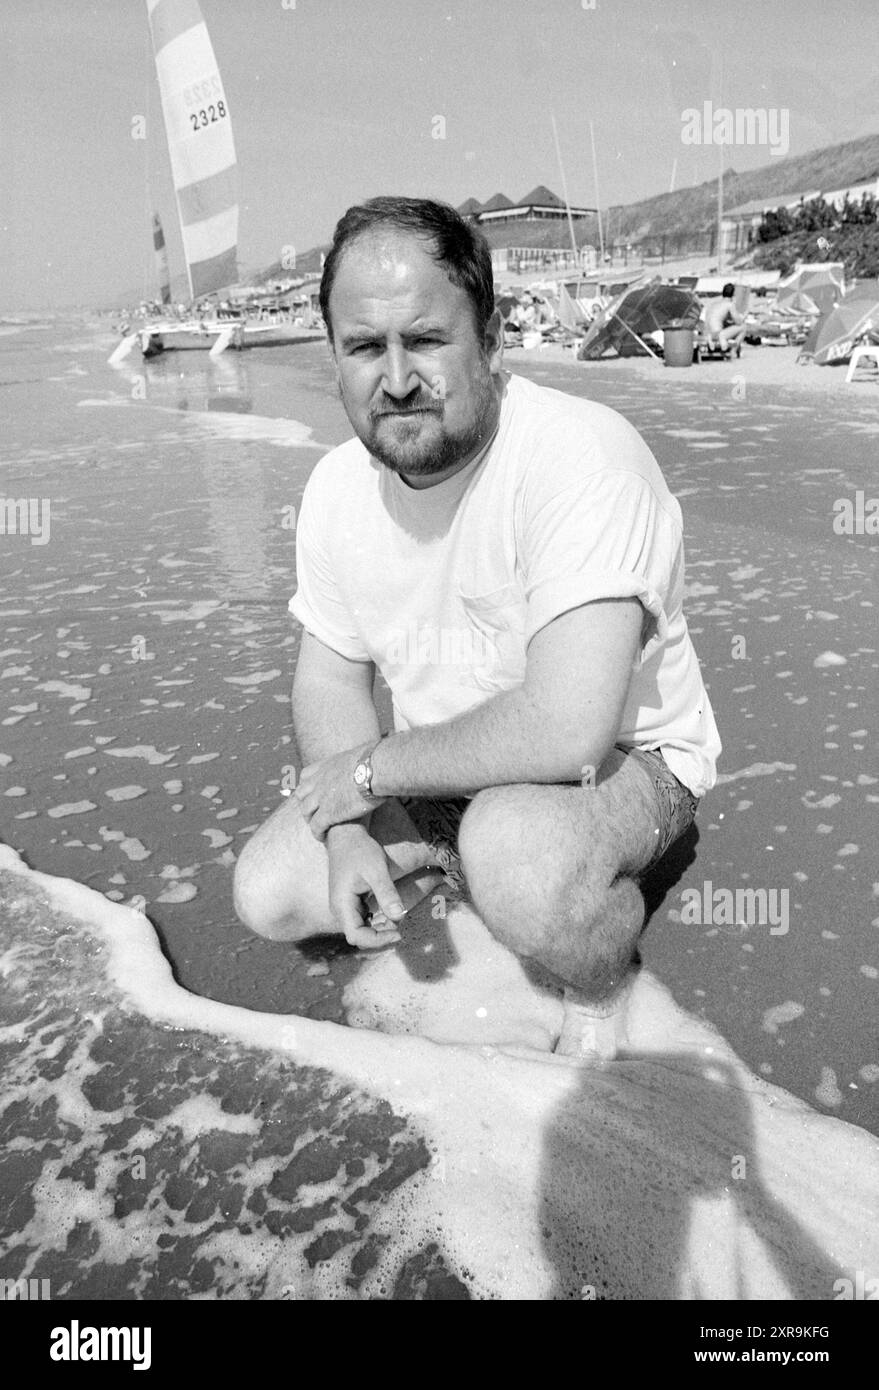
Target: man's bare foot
point(595, 1030)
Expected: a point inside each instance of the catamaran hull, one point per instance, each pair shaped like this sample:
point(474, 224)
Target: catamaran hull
point(156, 341)
point(153, 342)
point(276, 335)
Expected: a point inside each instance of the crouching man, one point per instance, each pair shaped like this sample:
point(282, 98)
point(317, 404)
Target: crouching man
point(510, 559)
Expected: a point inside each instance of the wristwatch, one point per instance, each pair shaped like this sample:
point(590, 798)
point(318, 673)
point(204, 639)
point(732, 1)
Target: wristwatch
point(363, 774)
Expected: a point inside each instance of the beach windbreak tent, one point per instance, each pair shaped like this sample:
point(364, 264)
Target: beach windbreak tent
point(644, 310)
point(571, 313)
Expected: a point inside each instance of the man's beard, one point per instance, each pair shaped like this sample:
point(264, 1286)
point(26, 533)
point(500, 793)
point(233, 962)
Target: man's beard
point(403, 447)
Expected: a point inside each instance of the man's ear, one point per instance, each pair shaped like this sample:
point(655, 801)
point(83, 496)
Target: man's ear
point(494, 341)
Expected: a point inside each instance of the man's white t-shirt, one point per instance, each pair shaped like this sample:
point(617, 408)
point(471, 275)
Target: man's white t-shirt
point(443, 587)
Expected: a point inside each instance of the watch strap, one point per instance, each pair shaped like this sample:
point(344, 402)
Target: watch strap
point(364, 784)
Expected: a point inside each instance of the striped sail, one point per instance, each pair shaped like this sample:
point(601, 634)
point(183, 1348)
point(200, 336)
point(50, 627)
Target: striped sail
point(164, 275)
point(200, 143)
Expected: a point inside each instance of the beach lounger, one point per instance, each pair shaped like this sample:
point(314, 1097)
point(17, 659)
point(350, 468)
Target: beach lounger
point(708, 347)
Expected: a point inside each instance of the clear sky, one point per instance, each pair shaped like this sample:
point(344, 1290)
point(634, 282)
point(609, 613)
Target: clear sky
point(335, 100)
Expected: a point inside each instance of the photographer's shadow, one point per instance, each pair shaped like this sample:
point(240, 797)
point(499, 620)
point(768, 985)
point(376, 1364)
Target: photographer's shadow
point(662, 1157)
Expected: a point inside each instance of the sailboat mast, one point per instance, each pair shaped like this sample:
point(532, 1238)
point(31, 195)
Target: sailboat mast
point(720, 215)
point(720, 177)
point(558, 150)
point(597, 198)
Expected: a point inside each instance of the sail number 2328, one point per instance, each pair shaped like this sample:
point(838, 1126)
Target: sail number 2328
point(207, 115)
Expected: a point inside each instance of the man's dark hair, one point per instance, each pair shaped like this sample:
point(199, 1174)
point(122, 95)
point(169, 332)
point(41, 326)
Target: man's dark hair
point(729, 290)
point(454, 244)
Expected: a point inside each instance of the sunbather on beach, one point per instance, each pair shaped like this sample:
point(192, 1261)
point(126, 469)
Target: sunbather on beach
point(510, 559)
point(722, 320)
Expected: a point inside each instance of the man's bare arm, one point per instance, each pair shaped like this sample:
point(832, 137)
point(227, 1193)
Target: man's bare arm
point(333, 708)
point(561, 722)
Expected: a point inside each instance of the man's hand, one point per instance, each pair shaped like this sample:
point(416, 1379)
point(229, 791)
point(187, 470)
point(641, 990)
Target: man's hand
point(327, 795)
point(358, 865)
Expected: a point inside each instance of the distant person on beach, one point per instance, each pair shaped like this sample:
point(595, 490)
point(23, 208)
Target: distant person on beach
point(510, 559)
point(722, 319)
point(527, 314)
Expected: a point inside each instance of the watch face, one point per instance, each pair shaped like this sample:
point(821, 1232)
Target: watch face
point(360, 774)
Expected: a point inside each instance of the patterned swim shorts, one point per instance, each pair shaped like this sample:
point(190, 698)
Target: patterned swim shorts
point(437, 820)
point(677, 805)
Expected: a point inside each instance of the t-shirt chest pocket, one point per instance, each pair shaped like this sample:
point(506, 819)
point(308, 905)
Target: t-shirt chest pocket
point(496, 625)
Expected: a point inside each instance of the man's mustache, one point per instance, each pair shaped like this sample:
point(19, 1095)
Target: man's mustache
point(428, 406)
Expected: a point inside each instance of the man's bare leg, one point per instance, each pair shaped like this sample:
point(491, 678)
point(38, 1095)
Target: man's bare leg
point(281, 878)
point(732, 335)
point(550, 870)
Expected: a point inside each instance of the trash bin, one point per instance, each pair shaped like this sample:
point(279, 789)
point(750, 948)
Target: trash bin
point(678, 344)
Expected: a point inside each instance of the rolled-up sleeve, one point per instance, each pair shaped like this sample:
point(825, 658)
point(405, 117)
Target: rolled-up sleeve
point(606, 536)
point(318, 604)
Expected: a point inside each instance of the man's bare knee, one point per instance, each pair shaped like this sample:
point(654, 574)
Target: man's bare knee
point(260, 911)
point(569, 911)
point(275, 901)
point(513, 885)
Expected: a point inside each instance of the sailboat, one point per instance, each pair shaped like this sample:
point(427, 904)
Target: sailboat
point(204, 167)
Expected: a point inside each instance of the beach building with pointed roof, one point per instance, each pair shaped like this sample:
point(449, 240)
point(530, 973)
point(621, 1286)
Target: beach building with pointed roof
point(498, 204)
point(533, 232)
point(540, 203)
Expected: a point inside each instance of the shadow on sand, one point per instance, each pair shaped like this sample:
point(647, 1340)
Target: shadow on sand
point(679, 1206)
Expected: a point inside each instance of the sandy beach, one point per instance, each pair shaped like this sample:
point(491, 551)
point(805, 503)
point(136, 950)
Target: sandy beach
point(764, 366)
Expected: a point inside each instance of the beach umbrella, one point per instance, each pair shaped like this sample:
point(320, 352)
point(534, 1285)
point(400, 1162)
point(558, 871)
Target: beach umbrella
point(637, 312)
point(824, 284)
point(805, 275)
point(837, 334)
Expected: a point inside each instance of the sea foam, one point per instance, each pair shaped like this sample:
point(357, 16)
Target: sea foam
point(166, 1145)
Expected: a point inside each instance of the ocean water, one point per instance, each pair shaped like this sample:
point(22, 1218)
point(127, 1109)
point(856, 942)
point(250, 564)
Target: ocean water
point(145, 670)
point(148, 653)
